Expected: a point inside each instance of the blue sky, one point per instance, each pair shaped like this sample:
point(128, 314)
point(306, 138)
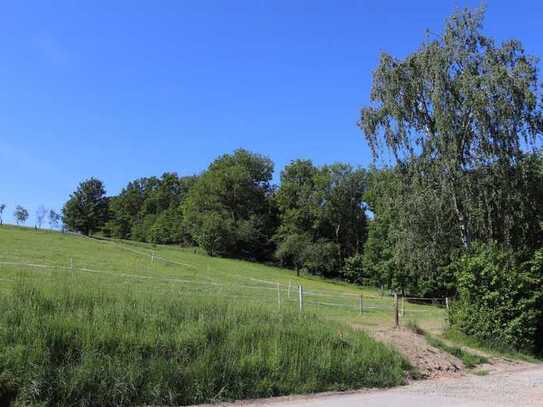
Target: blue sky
point(125, 89)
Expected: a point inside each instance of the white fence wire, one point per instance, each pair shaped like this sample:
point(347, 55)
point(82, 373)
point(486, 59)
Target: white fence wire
point(359, 303)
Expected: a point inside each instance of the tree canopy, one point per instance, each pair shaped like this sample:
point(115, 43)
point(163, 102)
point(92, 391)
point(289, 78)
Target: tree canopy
point(20, 214)
point(322, 216)
point(149, 209)
point(456, 114)
point(228, 210)
point(459, 210)
point(86, 210)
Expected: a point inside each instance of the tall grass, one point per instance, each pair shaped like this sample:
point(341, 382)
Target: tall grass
point(124, 268)
point(454, 335)
point(63, 342)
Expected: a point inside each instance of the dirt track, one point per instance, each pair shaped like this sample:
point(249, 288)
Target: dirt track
point(522, 387)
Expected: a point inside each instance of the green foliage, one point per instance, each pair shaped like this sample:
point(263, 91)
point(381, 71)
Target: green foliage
point(68, 344)
point(149, 210)
point(214, 233)
point(322, 216)
point(228, 211)
point(500, 299)
point(313, 222)
point(409, 242)
point(167, 228)
point(291, 250)
point(461, 117)
point(378, 256)
point(87, 209)
point(322, 258)
point(20, 214)
point(353, 269)
point(54, 219)
point(455, 113)
point(456, 336)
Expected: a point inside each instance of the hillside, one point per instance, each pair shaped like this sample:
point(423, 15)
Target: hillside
point(105, 322)
point(182, 271)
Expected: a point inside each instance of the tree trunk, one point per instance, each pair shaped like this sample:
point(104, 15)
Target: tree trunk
point(464, 234)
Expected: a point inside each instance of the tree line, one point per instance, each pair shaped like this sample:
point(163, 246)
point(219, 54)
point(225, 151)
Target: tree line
point(314, 221)
point(455, 207)
point(21, 215)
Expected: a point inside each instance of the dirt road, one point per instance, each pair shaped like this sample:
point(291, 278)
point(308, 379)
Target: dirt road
point(518, 388)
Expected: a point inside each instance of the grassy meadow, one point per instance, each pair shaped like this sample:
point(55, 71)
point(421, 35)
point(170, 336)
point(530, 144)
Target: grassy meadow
point(92, 322)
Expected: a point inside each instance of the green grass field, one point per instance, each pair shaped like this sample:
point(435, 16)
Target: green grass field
point(96, 322)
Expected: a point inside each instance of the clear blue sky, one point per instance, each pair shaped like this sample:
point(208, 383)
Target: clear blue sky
point(124, 89)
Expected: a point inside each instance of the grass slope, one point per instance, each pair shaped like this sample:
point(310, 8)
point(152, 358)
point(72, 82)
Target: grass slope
point(116, 323)
point(180, 271)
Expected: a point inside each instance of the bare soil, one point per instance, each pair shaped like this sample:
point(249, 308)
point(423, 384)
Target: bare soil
point(432, 362)
point(429, 361)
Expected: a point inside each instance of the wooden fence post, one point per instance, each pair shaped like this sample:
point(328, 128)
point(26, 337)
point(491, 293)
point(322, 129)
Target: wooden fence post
point(447, 303)
point(301, 297)
point(403, 306)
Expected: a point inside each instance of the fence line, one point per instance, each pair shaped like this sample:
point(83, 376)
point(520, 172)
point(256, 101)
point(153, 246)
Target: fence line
point(304, 297)
point(135, 276)
point(138, 252)
point(124, 245)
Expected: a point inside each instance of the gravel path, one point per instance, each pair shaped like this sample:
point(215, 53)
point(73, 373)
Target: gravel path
point(519, 388)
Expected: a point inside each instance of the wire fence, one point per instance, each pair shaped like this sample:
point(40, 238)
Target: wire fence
point(291, 295)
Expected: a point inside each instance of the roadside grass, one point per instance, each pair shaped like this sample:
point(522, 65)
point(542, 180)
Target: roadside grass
point(469, 359)
point(456, 336)
point(66, 341)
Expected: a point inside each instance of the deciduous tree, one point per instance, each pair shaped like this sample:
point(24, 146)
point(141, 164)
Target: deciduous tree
point(457, 114)
point(20, 214)
point(41, 213)
point(54, 219)
point(228, 211)
point(87, 209)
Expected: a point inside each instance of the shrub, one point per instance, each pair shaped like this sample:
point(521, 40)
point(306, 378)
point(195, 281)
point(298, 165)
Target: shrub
point(353, 269)
point(168, 228)
point(322, 258)
point(500, 299)
point(140, 229)
point(290, 250)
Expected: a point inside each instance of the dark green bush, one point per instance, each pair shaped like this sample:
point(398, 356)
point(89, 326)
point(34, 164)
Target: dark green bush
point(322, 258)
point(500, 298)
point(353, 269)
